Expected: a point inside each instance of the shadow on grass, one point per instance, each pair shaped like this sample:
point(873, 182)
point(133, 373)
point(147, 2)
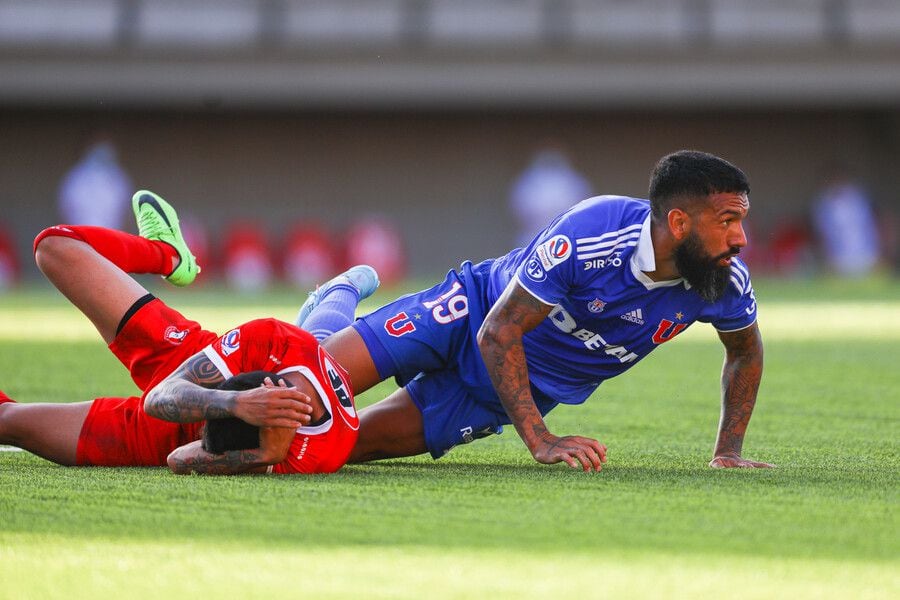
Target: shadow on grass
point(503, 504)
point(790, 475)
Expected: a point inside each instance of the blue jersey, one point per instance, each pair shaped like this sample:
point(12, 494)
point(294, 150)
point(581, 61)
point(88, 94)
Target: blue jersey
point(607, 315)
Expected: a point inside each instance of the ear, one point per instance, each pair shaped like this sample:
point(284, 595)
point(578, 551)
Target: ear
point(679, 223)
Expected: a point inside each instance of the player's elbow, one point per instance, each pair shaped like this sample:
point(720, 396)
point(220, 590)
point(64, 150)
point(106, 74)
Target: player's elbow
point(151, 403)
point(488, 334)
point(275, 444)
point(175, 464)
point(495, 337)
point(273, 456)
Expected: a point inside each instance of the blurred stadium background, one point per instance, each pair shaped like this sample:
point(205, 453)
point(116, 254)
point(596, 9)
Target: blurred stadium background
point(280, 112)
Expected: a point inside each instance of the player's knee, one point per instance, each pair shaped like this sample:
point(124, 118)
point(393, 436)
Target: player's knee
point(365, 454)
point(50, 246)
point(7, 423)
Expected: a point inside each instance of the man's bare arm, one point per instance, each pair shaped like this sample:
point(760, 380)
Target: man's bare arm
point(185, 397)
point(500, 342)
point(740, 383)
point(192, 458)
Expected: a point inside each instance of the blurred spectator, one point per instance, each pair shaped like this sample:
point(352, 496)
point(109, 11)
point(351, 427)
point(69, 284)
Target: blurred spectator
point(376, 241)
point(247, 258)
point(96, 191)
point(9, 261)
point(549, 186)
point(846, 226)
point(309, 256)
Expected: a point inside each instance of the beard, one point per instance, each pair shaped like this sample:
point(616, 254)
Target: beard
point(701, 270)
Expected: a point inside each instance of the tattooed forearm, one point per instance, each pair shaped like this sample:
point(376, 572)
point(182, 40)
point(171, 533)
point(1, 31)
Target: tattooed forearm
point(183, 397)
point(740, 382)
point(183, 402)
point(194, 459)
point(500, 342)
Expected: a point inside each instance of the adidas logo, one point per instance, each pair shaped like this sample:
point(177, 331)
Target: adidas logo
point(634, 316)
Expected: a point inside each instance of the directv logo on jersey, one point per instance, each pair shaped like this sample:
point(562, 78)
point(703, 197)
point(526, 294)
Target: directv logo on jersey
point(635, 316)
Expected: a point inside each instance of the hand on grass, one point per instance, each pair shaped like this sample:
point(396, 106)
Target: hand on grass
point(736, 462)
point(275, 406)
point(576, 451)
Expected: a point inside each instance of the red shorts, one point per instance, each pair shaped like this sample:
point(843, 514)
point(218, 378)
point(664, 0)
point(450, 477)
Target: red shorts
point(117, 431)
point(156, 340)
point(313, 451)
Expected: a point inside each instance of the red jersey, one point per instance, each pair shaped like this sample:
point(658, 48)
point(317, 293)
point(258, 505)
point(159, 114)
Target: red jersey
point(157, 339)
point(272, 345)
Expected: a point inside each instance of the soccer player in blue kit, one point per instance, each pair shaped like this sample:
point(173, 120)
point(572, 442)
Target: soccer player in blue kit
point(506, 340)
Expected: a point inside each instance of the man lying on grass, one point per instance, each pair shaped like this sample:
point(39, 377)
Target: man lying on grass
point(297, 403)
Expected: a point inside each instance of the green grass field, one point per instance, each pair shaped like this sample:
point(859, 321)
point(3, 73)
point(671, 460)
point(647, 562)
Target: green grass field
point(486, 521)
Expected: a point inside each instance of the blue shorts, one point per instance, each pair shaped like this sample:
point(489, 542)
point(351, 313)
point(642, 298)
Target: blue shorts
point(427, 342)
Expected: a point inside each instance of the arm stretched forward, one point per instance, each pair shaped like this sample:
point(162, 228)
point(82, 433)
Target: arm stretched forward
point(740, 383)
point(500, 342)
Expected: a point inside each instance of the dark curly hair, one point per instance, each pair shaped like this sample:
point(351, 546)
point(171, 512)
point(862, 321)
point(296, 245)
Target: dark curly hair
point(221, 435)
point(685, 178)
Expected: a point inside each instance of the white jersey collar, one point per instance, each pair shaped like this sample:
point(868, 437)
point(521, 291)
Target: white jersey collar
point(643, 261)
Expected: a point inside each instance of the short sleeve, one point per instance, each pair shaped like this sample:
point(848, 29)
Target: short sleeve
point(242, 349)
point(546, 273)
point(263, 345)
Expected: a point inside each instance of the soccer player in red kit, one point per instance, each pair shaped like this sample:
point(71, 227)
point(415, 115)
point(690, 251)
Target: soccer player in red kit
point(305, 412)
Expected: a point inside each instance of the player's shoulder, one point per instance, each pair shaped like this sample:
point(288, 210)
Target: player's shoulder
point(601, 222)
point(601, 214)
point(272, 327)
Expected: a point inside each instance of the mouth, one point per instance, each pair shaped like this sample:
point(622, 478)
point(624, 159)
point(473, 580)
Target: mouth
point(725, 259)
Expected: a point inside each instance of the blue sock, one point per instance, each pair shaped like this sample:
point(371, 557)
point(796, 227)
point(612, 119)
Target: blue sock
point(335, 310)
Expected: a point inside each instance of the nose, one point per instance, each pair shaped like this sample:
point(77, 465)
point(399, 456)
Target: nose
point(737, 237)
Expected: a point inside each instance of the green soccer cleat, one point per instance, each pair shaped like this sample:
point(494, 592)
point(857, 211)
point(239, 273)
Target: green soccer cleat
point(157, 220)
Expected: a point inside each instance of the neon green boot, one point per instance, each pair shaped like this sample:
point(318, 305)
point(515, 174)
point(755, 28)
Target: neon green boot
point(157, 220)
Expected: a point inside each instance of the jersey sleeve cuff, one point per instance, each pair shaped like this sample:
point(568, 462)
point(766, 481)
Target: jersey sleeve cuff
point(750, 324)
point(525, 287)
point(215, 359)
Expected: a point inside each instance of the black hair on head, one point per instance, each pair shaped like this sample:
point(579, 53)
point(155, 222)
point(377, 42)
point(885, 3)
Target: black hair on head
point(684, 178)
point(221, 435)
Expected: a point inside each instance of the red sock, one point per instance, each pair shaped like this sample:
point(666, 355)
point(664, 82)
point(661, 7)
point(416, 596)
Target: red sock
point(131, 253)
point(5, 398)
